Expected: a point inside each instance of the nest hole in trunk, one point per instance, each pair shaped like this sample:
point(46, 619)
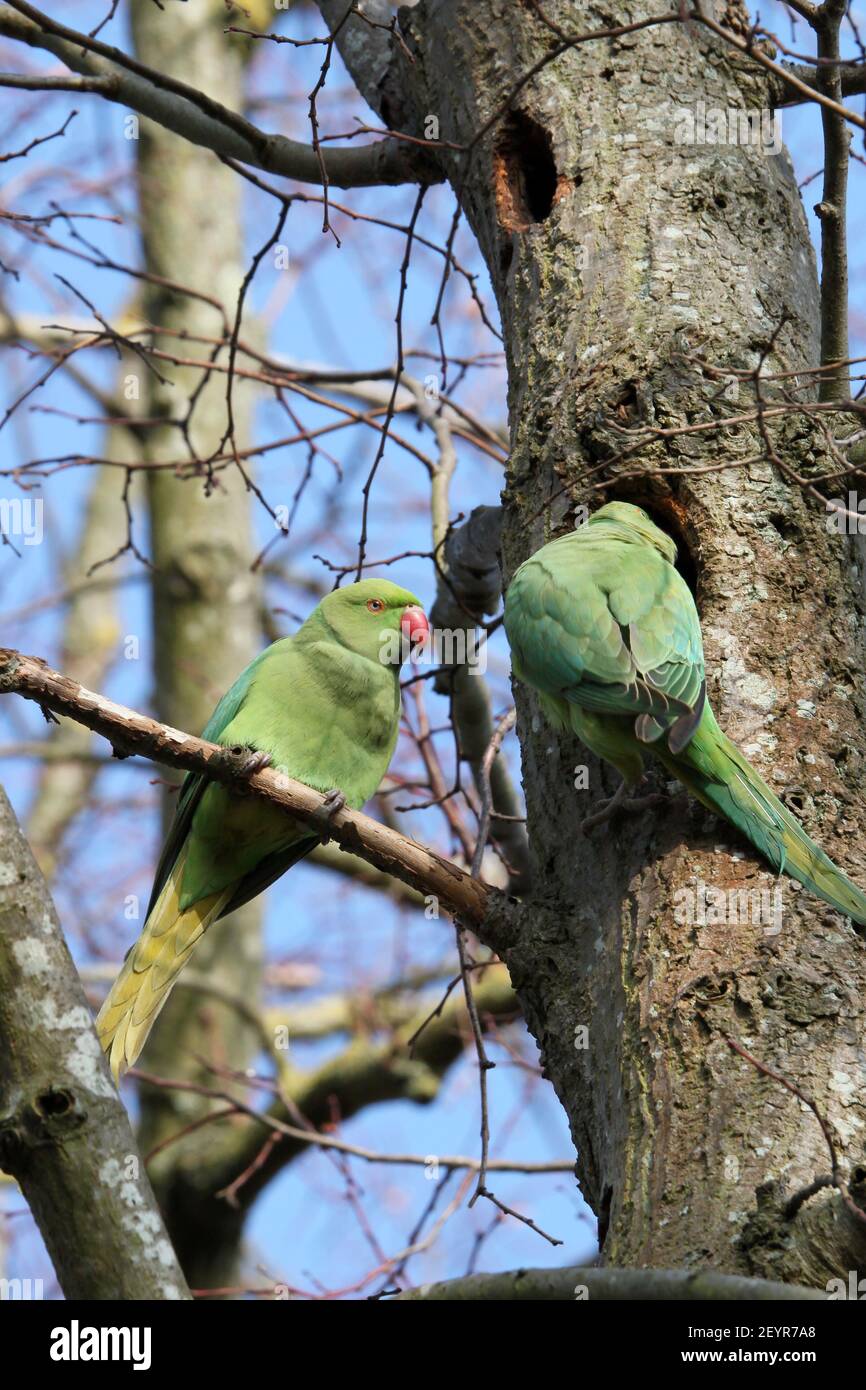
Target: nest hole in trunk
point(670, 516)
point(525, 172)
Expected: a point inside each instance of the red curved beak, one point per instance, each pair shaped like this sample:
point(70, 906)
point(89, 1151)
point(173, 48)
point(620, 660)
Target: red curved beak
point(415, 626)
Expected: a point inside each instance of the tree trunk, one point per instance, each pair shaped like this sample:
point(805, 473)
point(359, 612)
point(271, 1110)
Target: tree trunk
point(206, 624)
point(64, 1134)
point(616, 252)
point(91, 636)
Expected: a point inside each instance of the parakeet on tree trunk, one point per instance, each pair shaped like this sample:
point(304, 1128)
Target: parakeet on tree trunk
point(322, 706)
point(602, 625)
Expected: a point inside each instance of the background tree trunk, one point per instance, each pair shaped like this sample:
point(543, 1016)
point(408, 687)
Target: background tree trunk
point(90, 641)
point(206, 600)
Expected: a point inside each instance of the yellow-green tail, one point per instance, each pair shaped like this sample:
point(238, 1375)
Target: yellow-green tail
point(716, 772)
point(166, 943)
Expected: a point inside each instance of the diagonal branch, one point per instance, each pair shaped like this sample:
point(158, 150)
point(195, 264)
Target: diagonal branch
point(130, 733)
point(198, 118)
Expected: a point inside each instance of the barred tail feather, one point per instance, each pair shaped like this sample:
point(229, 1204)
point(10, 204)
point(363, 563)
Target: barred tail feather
point(716, 772)
point(146, 978)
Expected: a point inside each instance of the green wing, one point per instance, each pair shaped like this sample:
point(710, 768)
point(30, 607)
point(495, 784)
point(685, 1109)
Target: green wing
point(610, 626)
point(268, 870)
point(194, 783)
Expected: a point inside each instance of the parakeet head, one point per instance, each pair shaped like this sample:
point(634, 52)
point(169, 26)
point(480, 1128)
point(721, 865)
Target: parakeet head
point(636, 520)
point(376, 619)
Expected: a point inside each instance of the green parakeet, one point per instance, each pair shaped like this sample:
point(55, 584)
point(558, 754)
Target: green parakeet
point(606, 630)
point(322, 706)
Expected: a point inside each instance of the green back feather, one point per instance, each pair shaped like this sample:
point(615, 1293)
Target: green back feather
point(605, 629)
point(601, 618)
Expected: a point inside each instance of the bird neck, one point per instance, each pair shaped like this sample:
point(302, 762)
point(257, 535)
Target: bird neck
point(321, 639)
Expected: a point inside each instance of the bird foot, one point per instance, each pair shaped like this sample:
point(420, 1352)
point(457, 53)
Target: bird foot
point(631, 805)
point(333, 803)
point(247, 761)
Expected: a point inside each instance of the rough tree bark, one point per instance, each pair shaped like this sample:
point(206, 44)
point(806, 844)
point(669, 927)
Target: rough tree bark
point(64, 1134)
point(614, 251)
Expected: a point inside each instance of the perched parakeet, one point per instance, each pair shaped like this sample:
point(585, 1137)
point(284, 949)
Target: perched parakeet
point(322, 706)
point(606, 630)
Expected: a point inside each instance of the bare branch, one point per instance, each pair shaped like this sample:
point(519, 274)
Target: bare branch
point(832, 209)
point(129, 733)
point(852, 79)
point(198, 118)
point(310, 1138)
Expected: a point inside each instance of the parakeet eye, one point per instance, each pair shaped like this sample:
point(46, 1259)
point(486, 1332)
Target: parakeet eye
point(375, 605)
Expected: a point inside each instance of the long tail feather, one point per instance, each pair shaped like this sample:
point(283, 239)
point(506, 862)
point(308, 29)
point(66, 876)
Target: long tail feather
point(166, 943)
point(716, 772)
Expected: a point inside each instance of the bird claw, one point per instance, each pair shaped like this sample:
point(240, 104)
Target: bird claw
point(323, 817)
point(247, 761)
point(632, 805)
